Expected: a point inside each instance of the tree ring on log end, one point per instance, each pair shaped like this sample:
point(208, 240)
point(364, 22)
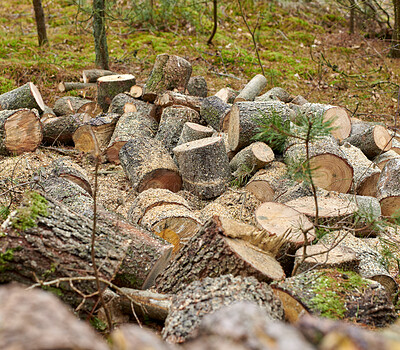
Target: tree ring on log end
point(390, 206)
point(340, 122)
point(382, 138)
point(161, 178)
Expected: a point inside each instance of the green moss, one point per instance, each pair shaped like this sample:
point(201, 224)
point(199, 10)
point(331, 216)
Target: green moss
point(56, 291)
point(26, 216)
point(98, 324)
point(7, 257)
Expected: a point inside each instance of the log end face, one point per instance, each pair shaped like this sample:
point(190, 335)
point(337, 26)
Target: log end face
point(161, 178)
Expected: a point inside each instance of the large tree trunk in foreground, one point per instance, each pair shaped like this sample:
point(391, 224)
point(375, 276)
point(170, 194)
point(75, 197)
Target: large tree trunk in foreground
point(26, 96)
point(40, 22)
point(110, 86)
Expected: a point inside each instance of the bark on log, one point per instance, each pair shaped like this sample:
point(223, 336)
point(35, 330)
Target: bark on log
point(212, 253)
point(244, 118)
point(91, 75)
point(288, 190)
point(68, 86)
point(169, 72)
point(201, 298)
point(252, 89)
point(383, 158)
point(227, 95)
point(197, 86)
point(171, 98)
point(20, 131)
point(359, 126)
point(39, 320)
point(395, 146)
point(147, 164)
point(329, 167)
point(110, 86)
point(204, 166)
point(389, 188)
point(129, 125)
point(124, 101)
point(68, 105)
point(213, 110)
point(25, 96)
point(193, 132)
point(275, 94)
point(136, 91)
point(373, 141)
point(299, 100)
point(47, 114)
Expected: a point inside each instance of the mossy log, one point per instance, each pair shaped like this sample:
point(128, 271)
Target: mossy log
point(204, 166)
point(213, 252)
point(44, 321)
point(110, 86)
point(91, 75)
point(121, 102)
point(227, 95)
point(171, 98)
point(68, 105)
point(20, 131)
point(341, 295)
point(276, 94)
point(25, 96)
point(197, 86)
point(252, 89)
point(213, 110)
point(193, 132)
point(383, 158)
point(201, 298)
point(389, 188)
point(169, 72)
point(131, 124)
point(147, 164)
point(69, 86)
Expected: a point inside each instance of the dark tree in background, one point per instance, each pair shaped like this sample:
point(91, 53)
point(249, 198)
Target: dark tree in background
point(395, 51)
point(40, 22)
point(99, 33)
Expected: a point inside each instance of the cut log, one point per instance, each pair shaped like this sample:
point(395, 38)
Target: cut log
point(341, 295)
point(213, 110)
point(147, 164)
point(251, 158)
point(244, 119)
point(204, 166)
point(123, 103)
point(288, 190)
point(193, 132)
point(214, 209)
point(136, 91)
point(129, 125)
point(201, 298)
point(252, 89)
point(328, 164)
point(20, 131)
point(171, 98)
point(395, 145)
point(299, 100)
point(169, 72)
point(101, 126)
point(44, 321)
point(26, 96)
point(171, 124)
point(340, 120)
point(359, 126)
point(110, 86)
point(373, 141)
point(383, 158)
point(68, 105)
point(366, 173)
point(47, 113)
point(389, 188)
point(68, 86)
point(212, 253)
point(276, 94)
point(227, 95)
point(197, 86)
point(91, 75)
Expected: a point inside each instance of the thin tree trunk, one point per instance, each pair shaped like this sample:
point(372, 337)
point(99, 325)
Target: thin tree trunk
point(40, 22)
point(395, 50)
point(352, 15)
point(215, 14)
point(99, 33)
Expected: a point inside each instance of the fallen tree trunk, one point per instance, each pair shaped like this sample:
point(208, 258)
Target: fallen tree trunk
point(110, 86)
point(68, 86)
point(25, 96)
point(252, 89)
point(276, 94)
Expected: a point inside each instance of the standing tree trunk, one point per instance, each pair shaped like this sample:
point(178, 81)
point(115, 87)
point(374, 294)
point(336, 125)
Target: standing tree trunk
point(395, 50)
point(40, 22)
point(215, 15)
point(99, 33)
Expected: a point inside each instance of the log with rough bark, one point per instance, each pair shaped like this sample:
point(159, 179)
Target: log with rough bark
point(91, 75)
point(395, 145)
point(299, 100)
point(389, 188)
point(227, 95)
point(110, 86)
point(213, 110)
point(136, 91)
point(288, 189)
point(276, 94)
point(171, 98)
point(47, 113)
point(193, 132)
point(25, 96)
point(252, 89)
point(216, 250)
point(204, 166)
point(147, 164)
point(102, 127)
point(68, 86)
point(169, 72)
point(359, 126)
point(383, 158)
point(244, 118)
point(341, 295)
point(39, 320)
point(211, 294)
point(133, 124)
point(327, 162)
point(171, 124)
point(373, 141)
point(251, 158)
point(20, 131)
point(197, 86)
point(123, 103)
point(68, 105)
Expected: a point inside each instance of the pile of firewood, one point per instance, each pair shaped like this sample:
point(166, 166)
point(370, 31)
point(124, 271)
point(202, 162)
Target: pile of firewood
point(180, 151)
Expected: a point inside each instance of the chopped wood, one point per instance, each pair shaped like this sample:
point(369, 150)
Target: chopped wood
point(213, 110)
point(359, 126)
point(123, 103)
point(68, 105)
point(227, 95)
point(193, 132)
point(389, 188)
point(110, 86)
point(25, 96)
point(252, 89)
point(170, 98)
point(68, 86)
point(276, 94)
point(47, 113)
point(383, 158)
point(91, 75)
point(136, 91)
point(197, 86)
point(299, 100)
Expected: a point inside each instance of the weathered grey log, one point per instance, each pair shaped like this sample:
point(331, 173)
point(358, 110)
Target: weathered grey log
point(169, 72)
point(383, 158)
point(25, 96)
point(395, 145)
point(133, 124)
point(275, 94)
point(204, 166)
point(359, 126)
point(110, 86)
point(299, 100)
point(389, 188)
point(227, 95)
point(193, 132)
point(218, 250)
point(213, 110)
point(197, 86)
point(171, 124)
point(44, 321)
point(119, 105)
point(171, 98)
point(68, 86)
point(252, 89)
point(201, 298)
point(91, 75)
point(68, 105)
point(147, 164)
point(20, 131)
